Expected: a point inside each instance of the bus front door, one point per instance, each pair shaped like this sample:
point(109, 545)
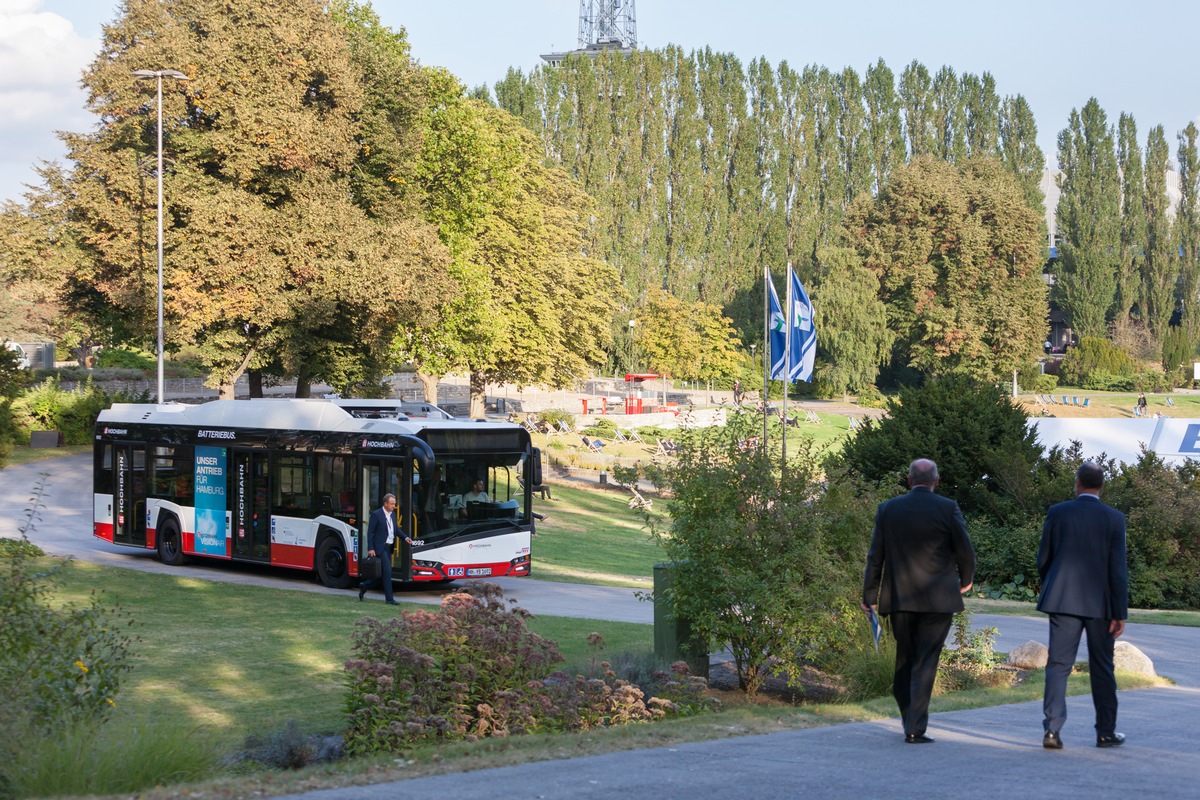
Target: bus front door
point(250, 491)
point(129, 497)
point(382, 476)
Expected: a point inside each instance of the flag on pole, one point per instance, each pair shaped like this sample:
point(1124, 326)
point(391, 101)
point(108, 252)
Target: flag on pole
point(776, 333)
point(802, 343)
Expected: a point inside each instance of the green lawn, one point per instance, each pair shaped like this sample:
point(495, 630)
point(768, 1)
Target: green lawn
point(593, 536)
point(216, 661)
point(233, 659)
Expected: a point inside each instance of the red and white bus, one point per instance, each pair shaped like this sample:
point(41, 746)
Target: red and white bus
point(291, 483)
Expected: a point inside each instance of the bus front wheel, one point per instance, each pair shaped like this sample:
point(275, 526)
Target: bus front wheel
point(170, 543)
point(333, 568)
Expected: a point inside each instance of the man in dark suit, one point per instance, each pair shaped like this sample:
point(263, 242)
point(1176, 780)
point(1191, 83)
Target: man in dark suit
point(381, 541)
point(920, 564)
point(1085, 587)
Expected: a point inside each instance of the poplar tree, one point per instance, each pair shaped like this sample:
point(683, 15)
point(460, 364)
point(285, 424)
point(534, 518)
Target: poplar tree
point(1160, 267)
point(1019, 149)
point(1188, 226)
point(949, 117)
point(1133, 216)
point(1089, 218)
point(917, 104)
point(884, 126)
point(982, 115)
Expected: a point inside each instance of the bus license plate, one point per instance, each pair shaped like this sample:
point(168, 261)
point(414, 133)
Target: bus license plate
point(479, 572)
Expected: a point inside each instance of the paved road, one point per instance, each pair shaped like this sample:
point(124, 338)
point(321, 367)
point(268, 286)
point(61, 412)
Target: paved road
point(985, 752)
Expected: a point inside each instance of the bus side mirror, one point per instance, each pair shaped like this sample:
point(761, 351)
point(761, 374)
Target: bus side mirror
point(535, 468)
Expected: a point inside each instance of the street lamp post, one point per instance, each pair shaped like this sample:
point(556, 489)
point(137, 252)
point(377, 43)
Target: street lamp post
point(158, 75)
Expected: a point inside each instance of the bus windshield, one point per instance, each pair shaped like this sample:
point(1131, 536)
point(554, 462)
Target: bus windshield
point(471, 492)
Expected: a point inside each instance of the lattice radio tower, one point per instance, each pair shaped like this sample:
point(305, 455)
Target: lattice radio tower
point(608, 23)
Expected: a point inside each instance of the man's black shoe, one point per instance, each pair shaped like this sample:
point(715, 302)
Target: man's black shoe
point(392, 603)
point(361, 592)
point(918, 738)
point(1052, 741)
point(1110, 740)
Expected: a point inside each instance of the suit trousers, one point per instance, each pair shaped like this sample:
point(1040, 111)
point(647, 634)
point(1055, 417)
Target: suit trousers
point(1065, 630)
point(920, 637)
point(385, 577)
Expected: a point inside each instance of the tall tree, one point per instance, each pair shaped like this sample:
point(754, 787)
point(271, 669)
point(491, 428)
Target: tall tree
point(1160, 267)
point(1133, 216)
point(949, 116)
point(1019, 149)
point(252, 148)
point(982, 115)
point(916, 100)
point(884, 126)
point(1089, 218)
point(854, 340)
point(1188, 227)
point(959, 256)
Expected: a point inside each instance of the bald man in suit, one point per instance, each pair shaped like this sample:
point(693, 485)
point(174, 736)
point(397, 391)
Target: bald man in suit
point(1085, 587)
point(920, 564)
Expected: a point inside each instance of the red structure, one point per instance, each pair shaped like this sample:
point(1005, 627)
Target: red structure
point(633, 394)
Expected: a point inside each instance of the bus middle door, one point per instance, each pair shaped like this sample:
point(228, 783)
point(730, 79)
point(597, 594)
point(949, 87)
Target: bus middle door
point(250, 490)
point(129, 497)
point(382, 476)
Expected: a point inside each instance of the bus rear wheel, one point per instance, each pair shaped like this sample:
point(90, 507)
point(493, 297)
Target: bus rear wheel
point(170, 543)
point(333, 568)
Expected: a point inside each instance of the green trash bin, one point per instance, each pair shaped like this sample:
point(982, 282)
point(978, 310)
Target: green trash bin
point(672, 636)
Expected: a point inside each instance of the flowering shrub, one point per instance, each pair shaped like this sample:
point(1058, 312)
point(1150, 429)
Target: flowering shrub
point(60, 667)
point(475, 670)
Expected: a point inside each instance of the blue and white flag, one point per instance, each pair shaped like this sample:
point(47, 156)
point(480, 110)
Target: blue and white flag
point(802, 344)
point(776, 333)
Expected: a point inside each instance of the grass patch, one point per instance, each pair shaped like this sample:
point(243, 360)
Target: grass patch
point(231, 660)
point(592, 536)
point(1187, 619)
point(24, 454)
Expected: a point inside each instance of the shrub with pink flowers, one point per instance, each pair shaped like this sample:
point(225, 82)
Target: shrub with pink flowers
point(473, 670)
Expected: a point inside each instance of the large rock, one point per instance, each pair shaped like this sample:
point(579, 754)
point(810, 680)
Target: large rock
point(1128, 658)
point(1031, 655)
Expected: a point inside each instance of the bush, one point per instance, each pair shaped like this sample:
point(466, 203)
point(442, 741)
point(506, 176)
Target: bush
point(1161, 504)
point(1006, 554)
point(867, 670)
point(1041, 383)
point(871, 397)
point(60, 667)
point(113, 758)
point(49, 407)
point(128, 359)
point(473, 670)
point(789, 544)
point(983, 445)
point(971, 661)
point(1095, 355)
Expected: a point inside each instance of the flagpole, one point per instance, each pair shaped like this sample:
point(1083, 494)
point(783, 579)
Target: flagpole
point(787, 365)
point(766, 347)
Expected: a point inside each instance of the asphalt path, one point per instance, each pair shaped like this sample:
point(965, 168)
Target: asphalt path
point(983, 752)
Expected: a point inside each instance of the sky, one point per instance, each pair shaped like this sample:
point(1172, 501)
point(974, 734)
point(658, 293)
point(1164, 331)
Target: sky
point(1139, 58)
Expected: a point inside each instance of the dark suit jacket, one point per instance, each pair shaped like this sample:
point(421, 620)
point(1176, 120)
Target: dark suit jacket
point(377, 531)
point(1082, 560)
point(920, 555)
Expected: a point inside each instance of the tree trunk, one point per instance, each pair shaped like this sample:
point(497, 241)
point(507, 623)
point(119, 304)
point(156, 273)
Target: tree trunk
point(429, 386)
point(225, 388)
point(303, 382)
point(256, 383)
point(478, 396)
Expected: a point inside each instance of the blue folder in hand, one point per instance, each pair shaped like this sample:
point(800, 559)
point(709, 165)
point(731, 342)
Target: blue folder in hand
point(876, 627)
